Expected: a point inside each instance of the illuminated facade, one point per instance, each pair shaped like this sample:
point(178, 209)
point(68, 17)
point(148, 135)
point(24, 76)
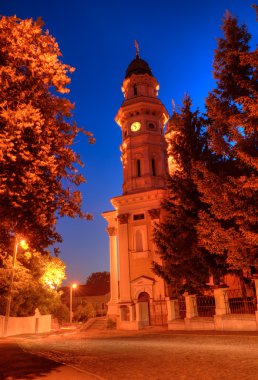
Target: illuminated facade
point(136, 292)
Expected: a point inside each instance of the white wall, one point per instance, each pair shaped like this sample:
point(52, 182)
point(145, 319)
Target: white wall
point(26, 325)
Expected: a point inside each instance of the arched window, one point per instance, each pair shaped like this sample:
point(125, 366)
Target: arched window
point(135, 90)
point(138, 241)
point(143, 297)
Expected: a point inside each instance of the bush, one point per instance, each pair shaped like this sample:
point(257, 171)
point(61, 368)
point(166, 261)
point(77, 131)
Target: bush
point(61, 312)
point(83, 312)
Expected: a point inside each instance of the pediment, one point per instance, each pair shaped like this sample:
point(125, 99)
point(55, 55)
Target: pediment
point(143, 281)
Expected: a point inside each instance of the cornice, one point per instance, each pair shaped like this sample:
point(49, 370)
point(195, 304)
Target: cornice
point(142, 105)
point(109, 215)
point(135, 198)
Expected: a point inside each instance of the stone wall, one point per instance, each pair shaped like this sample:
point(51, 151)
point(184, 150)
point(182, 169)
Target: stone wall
point(26, 325)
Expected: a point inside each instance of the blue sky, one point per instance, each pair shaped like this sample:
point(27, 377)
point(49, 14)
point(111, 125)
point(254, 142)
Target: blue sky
point(176, 38)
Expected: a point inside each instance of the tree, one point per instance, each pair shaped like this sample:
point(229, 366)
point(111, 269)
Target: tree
point(184, 264)
point(229, 225)
point(99, 281)
point(36, 277)
point(38, 168)
point(54, 273)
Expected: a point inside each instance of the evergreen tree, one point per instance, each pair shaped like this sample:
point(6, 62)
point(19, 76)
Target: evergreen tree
point(38, 168)
point(229, 225)
point(184, 264)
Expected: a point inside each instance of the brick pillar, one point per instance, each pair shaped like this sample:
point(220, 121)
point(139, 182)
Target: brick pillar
point(191, 306)
point(221, 301)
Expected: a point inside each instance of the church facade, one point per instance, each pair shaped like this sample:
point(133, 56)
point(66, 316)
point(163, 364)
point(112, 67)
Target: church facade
point(138, 296)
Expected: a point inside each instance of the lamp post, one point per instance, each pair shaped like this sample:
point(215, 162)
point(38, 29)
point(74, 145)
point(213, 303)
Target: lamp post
point(17, 241)
point(72, 286)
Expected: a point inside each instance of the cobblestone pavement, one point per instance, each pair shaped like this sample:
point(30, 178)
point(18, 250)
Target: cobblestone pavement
point(153, 354)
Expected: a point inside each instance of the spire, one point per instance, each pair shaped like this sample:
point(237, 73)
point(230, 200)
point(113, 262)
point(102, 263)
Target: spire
point(136, 48)
point(138, 65)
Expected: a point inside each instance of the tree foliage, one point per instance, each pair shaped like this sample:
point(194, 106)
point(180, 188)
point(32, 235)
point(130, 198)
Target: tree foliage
point(38, 167)
point(99, 281)
point(36, 277)
point(229, 226)
point(185, 265)
point(211, 215)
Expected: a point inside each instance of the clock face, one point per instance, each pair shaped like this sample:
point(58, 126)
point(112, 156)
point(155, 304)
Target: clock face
point(136, 126)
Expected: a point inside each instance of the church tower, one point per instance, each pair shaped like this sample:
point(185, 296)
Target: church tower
point(135, 289)
point(142, 117)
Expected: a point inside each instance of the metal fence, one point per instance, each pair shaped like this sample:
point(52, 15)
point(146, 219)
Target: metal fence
point(182, 307)
point(237, 303)
point(205, 306)
point(158, 312)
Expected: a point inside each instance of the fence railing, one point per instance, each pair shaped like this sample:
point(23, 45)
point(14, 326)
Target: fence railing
point(237, 303)
point(182, 307)
point(158, 312)
point(205, 306)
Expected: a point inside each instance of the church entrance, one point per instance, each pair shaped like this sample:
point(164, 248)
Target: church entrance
point(144, 310)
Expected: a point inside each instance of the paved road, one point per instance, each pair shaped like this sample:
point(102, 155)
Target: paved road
point(144, 355)
point(16, 364)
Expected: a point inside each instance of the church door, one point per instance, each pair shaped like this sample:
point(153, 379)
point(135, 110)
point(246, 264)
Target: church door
point(143, 301)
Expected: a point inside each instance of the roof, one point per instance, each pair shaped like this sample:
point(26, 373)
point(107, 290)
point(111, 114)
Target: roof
point(138, 66)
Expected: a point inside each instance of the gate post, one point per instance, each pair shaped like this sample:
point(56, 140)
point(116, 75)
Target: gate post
point(191, 306)
point(173, 309)
point(221, 301)
point(256, 292)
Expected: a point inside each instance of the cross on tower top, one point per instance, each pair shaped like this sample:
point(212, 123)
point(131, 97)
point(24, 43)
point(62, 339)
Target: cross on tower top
point(137, 48)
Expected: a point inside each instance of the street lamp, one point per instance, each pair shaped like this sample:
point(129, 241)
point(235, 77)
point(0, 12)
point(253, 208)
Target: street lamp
point(72, 286)
point(17, 241)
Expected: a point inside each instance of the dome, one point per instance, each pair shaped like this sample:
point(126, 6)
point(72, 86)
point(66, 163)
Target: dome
point(138, 66)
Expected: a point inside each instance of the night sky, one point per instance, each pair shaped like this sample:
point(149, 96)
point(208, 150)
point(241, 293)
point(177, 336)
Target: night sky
point(176, 38)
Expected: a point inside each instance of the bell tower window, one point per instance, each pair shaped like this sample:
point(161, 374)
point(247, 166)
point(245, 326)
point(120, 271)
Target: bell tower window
point(153, 168)
point(135, 90)
point(138, 168)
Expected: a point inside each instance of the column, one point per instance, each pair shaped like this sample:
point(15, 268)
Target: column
point(112, 232)
point(125, 288)
point(137, 312)
point(132, 313)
